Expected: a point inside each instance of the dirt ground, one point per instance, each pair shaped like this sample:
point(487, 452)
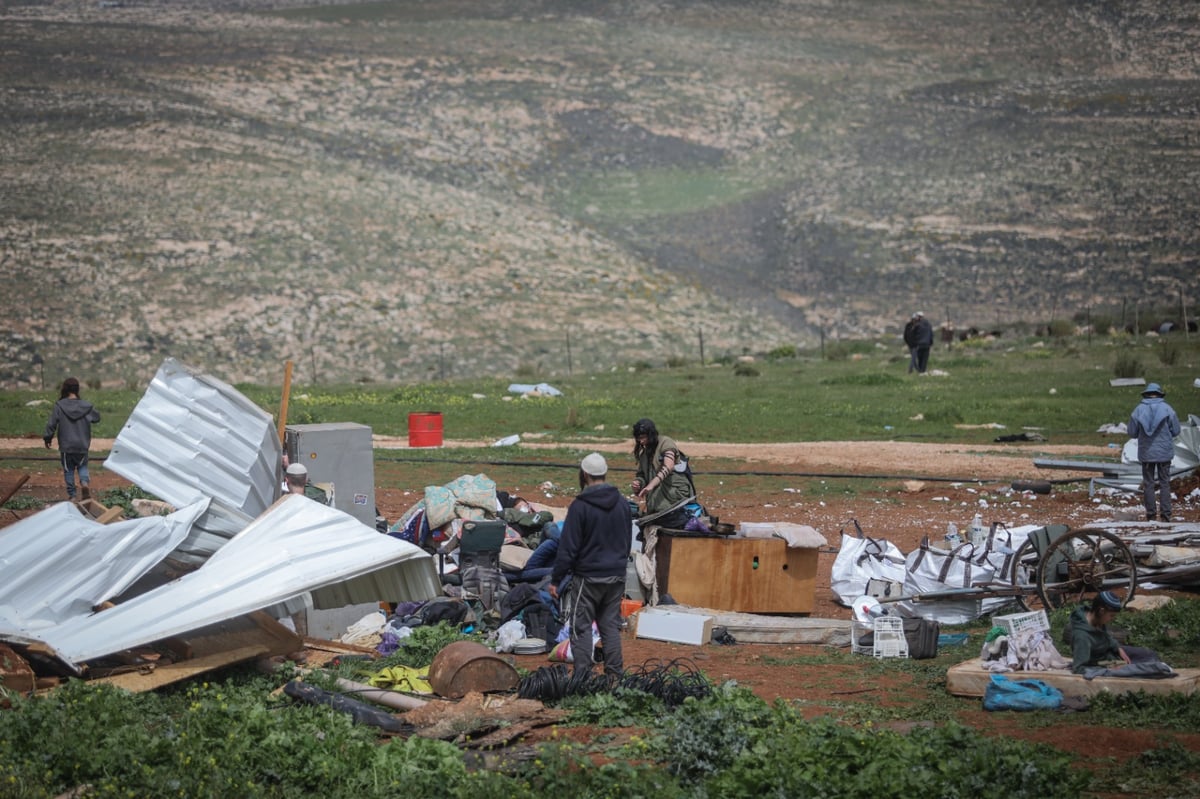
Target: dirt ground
point(921, 487)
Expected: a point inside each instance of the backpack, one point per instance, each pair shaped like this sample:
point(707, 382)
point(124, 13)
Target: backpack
point(539, 621)
point(443, 609)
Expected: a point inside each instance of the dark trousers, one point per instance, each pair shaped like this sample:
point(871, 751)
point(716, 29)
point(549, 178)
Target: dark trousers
point(922, 359)
point(596, 601)
point(1156, 480)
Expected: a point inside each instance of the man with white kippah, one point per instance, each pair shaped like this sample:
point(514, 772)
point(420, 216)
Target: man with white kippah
point(594, 550)
point(296, 479)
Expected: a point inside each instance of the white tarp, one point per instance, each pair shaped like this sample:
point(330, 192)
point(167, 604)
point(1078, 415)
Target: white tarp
point(296, 546)
point(59, 564)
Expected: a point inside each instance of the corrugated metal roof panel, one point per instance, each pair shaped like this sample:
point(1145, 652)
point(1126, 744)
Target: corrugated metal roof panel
point(191, 436)
point(59, 564)
point(296, 546)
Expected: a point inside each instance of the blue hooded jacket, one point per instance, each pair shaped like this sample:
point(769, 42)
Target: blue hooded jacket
point(1154, 425)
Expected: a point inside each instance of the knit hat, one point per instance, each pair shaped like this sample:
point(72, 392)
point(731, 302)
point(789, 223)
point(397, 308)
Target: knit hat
point(1154, 390)
point(1109, 600)
point(297, 469)
point(594, 465)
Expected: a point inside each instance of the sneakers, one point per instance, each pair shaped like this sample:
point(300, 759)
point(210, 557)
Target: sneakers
point(1150, 517)
point(1166, 517)
point(86, 493)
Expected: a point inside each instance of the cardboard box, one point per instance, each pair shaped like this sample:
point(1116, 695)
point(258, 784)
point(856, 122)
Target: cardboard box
point(679, 628)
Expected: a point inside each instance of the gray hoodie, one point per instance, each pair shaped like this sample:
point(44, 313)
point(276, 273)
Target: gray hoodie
point(73, 419)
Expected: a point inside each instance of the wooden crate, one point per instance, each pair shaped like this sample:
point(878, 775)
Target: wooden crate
point(748, 575)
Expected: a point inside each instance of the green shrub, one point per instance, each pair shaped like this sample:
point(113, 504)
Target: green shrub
point(1127, 364)
point(742, 369)
point(1169, 352)
point(1061, 328)
point(24, 503)
point(676, 361)
point(782, 351)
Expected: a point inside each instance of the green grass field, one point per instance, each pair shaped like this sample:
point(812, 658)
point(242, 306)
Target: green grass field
point(856, 391)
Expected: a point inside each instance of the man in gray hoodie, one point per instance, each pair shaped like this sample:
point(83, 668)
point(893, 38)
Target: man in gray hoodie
point(72, 418)
point(1155, 425)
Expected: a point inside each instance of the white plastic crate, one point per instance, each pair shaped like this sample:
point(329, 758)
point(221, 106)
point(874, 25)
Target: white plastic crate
point(1015, 624)
point(889, 638)
point(862, 638)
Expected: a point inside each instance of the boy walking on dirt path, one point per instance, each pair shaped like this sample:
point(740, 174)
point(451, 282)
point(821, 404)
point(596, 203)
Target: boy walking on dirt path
point(72, 419)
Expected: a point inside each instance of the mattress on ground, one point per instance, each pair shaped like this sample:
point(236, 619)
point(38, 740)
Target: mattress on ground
point(970, 678)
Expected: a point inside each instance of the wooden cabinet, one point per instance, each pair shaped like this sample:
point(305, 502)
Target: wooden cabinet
point(747, 575)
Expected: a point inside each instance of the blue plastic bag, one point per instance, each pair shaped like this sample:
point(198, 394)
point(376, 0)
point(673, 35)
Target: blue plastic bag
point(1005, 694)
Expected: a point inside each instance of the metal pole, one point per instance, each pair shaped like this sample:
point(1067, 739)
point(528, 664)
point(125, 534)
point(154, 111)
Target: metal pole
point(283, 403)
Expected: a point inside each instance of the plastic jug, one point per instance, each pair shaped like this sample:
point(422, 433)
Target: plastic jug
point(978, 531)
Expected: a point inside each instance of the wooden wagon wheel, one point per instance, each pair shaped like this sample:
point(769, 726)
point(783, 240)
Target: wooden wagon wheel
point(1084, 562)
point(1024, 577)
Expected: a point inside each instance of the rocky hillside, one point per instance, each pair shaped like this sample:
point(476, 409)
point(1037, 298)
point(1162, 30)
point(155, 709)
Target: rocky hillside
point(410, 190)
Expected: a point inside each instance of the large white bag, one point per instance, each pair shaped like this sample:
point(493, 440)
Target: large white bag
point(933, 570)
point(998, 552)
point(860, 559)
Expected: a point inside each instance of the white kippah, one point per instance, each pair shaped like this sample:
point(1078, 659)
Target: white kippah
point(594, 465)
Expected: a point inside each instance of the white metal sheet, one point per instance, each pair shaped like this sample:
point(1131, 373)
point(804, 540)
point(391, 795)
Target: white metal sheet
point(192, 436)
point(59, 564)
point(296, 546)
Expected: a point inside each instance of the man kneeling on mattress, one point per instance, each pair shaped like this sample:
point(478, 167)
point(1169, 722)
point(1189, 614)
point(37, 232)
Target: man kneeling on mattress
point(1092, 644)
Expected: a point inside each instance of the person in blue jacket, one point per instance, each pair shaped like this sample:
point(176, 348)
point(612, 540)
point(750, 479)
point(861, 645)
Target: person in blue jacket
point(594, 549)
point(1155, 425)
point(72, 420)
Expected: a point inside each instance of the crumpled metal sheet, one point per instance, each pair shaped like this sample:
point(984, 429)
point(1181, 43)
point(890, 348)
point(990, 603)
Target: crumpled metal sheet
point(298, 545)
point(200, 445)
point(58, 563)
point(192, 436)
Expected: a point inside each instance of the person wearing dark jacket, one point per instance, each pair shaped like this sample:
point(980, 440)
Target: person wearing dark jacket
point(1090, 641)
point(594, 550)
point(72, 419)
point(922, 341)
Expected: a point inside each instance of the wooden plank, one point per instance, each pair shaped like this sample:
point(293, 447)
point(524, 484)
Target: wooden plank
point(751, 628)
point(751, 575)
point(970, 678)
point(8, 492)
point(158, 676)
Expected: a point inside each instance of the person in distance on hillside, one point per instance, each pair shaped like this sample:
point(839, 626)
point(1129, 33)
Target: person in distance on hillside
point(72, 419)
point(664, 481)
point(594, 550)
point(910, 341)
point(922, 341)
point(1154, 424)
